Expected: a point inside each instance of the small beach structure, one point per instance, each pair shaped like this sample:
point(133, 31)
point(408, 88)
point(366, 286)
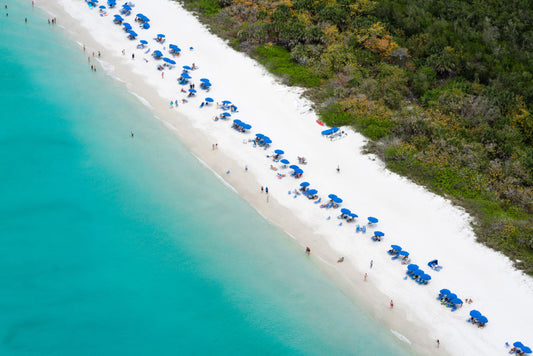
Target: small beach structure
point(520, 349)
point(174, 50)
point(262, 141)
point(334, 202)
point(160, 38)
point(92, 3)
point(277, 155)
point(205, 84)
point(142, 44)
point(126, 10)
point(311, 194)
point(394, 250)
point(434, 265)
point(347, 215)
point(333, 133)
point(404, 257)
point(118, 19)
point(169, 62)
point(241, 126)
point(157, 54)
point(132, 35)
point(141, 19)
point(378, 235)
point(476, 318)
point(126, 26)
point(208, 101)
point(372, 220)
point(284, 163)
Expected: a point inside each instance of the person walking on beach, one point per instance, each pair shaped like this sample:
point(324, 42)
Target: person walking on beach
point(307, 250)
point(438, 343)
point(132, 134)
point(262, 189)
point(133, 56)
point(366, 275)
point(391, 304)
point(338, 169)
point(266, 190)
point(340, 260)
point(371, 263)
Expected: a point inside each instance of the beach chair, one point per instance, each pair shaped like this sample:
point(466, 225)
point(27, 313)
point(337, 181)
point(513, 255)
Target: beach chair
point(363, 230)
point(318, 201)
point(357, 228)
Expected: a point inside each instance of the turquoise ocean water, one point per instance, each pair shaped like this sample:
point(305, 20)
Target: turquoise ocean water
point(109, 246)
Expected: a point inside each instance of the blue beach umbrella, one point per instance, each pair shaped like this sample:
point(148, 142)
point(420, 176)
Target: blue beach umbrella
point(525, 349)
point(246, 126)
point(412, 267)
point(169, 61)
point(304, 184)
point(126, 7)
point(209, 100)
point(452, 296)
point(194, 91)
point(185, 75)
point(312, 192)
point(101, 7)
point(259, 136)
point(404, 253)
point(157, 54)
point(143, 42)
point(279, 152)
point(132, 33)
point(457, 301)
point(475, 314)
point(160, 35)
point(425, 277)
point(345, 211)
point(226, 102)
point(267, 140)
point(516, 344)
point(372, 220)
point(299, 170)
point(204, 80)
point(226, 114)
point(127, 26)
point(331, 196)
point(445, 291)
point(396, 247)
point(285, 161)
point(337, 200)
point(146, 25)
point(187, 67)
point(354, 215)
point(379, 233)
point(293, 166)
point(483, 319)
point(206, 84)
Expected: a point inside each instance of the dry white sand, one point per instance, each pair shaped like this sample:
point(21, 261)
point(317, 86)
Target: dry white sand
point(426, 225)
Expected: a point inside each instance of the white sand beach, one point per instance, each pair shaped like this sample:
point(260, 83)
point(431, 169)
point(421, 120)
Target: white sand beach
point(427, 226)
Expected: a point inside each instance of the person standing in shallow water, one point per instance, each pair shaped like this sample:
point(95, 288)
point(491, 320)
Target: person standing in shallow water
point(307, 250)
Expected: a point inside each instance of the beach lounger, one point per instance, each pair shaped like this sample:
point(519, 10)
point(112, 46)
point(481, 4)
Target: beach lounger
point(363, 229)
point(318, 201)
point(357, 228)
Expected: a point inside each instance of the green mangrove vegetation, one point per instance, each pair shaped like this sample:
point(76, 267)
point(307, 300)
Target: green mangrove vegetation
point(442, 88)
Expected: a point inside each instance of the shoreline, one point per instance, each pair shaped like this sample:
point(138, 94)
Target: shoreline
point(280, 210)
